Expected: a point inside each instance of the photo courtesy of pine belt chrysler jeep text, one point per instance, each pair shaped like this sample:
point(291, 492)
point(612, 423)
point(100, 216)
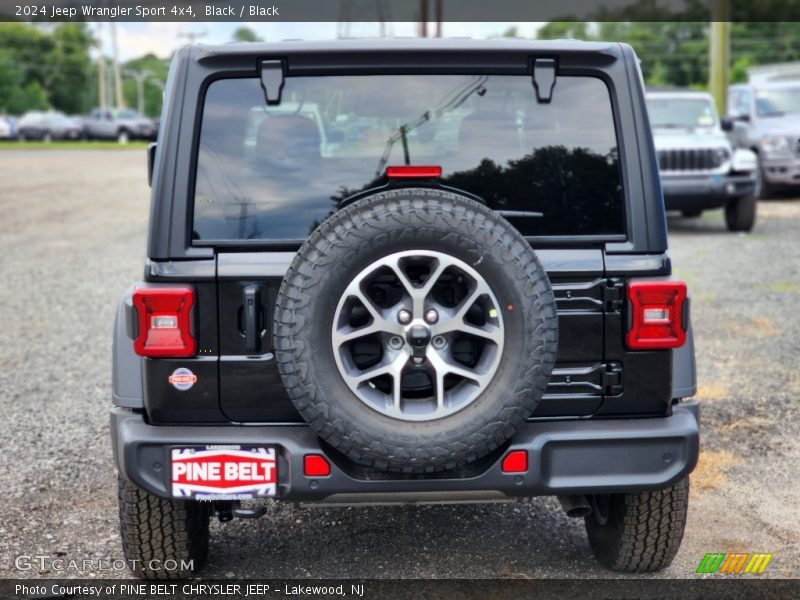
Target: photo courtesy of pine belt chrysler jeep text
point(405, 271)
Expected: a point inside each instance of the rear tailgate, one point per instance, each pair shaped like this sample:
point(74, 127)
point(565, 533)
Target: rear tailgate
point(250, 385)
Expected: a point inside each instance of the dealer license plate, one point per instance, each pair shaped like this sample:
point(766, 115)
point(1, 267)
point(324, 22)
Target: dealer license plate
point(223, 472)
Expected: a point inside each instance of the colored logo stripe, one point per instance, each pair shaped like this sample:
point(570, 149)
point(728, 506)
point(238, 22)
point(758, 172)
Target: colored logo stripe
point(734, 563)
point(757, 563)
point(711, 562)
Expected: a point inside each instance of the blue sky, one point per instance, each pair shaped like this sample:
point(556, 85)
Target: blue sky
point(136, 39)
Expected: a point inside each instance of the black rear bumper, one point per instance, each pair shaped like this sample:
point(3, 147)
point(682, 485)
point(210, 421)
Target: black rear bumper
point(564, 457)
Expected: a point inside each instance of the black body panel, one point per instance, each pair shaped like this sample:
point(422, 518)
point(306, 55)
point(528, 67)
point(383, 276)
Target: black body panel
point(595, 374)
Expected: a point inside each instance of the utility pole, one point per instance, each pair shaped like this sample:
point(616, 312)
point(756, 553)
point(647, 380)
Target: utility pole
point(193, 36)
point(438, 13)
point(423, 18)
point(720, 53)
point(360, 12)
point(101, 70)
point(120, 101)
point(140, 77)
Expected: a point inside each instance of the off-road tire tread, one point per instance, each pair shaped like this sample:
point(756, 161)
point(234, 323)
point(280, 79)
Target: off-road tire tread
point(158, 529)
point(643, 532)
point(740, 215)
point(363, 221)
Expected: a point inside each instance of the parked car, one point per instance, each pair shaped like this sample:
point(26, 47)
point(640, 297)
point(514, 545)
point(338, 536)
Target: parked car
point(700, 168)
point(766, 117)
point(122, 125)
point(47, 126)
point(466, 297)
point(5, 128)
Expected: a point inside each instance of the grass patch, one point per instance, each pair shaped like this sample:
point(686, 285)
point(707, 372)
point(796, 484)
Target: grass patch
point(758, 327)
point(784, 287)
point(748, 424)
point(712, 391)
point(710, 471)
point(65, 145)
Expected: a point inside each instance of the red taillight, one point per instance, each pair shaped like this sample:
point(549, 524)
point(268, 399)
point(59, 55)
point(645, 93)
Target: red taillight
point(164, 321)
point(316, 465)
point(414, 172)
point(657, 320)
point(515, 461)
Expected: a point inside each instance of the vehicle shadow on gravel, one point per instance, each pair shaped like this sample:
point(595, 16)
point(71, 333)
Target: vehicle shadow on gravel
point(404, 541)
point(713, 224)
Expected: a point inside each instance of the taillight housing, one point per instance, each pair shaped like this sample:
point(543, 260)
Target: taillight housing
point(164, 316)
point(656, 314)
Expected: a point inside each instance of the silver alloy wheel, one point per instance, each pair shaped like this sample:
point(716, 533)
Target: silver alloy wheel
point(419, 380)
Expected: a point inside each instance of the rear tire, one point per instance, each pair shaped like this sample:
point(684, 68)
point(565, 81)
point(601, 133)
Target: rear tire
point(740, 215)
point(764, 191)
point(638, 532)
point(156, 531)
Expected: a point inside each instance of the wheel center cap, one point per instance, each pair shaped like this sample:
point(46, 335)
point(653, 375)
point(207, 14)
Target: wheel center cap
point(418, 337)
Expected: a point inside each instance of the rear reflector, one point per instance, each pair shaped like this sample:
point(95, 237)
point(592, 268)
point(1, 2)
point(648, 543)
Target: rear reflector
point(315, 465)
point(414, 172)
point(164, 321)
point(515, 461)
point(656, 314)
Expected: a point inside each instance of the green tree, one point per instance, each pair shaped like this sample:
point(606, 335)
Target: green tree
point(69, 67)
point(511, 32)
point(558, 30)
point(153, 70)
point(245, 34)
point(44, 68)
point(21, 49)
point(676, 53)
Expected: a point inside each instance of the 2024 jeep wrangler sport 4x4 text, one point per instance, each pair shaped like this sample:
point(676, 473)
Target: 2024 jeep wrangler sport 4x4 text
point(404, 271)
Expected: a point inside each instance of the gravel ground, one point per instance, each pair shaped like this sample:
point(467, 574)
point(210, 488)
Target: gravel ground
point(72, 237)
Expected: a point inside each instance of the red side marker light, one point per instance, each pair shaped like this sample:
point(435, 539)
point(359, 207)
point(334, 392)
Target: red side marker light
point(164, 321)
point(414, 172)
point(315, 465)
point(656, 321)
point(515, 461)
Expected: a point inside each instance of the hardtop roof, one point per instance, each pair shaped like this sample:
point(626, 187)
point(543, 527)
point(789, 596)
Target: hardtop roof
point(411, 45)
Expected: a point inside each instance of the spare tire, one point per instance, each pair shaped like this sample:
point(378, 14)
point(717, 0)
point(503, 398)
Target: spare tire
point(415, 330)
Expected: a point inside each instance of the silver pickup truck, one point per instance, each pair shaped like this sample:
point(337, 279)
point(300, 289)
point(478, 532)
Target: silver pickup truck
point(766, 117)
point(121, 125)
point(700, 168)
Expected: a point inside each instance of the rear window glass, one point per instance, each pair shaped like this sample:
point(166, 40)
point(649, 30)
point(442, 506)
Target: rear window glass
point(276, 172)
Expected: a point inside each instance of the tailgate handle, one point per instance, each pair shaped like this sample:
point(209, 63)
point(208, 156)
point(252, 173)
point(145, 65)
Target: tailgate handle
point(251, 301)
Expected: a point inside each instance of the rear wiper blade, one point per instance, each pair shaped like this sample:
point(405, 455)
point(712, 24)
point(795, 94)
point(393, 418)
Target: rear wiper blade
point(520, 214)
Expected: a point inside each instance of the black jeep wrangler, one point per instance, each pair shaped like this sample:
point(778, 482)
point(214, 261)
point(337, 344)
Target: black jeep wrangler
point(404, 271)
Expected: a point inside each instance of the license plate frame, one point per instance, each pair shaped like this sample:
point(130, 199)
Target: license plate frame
point(223, 472)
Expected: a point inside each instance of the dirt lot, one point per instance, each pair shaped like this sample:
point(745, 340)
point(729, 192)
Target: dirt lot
point(72, 237)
